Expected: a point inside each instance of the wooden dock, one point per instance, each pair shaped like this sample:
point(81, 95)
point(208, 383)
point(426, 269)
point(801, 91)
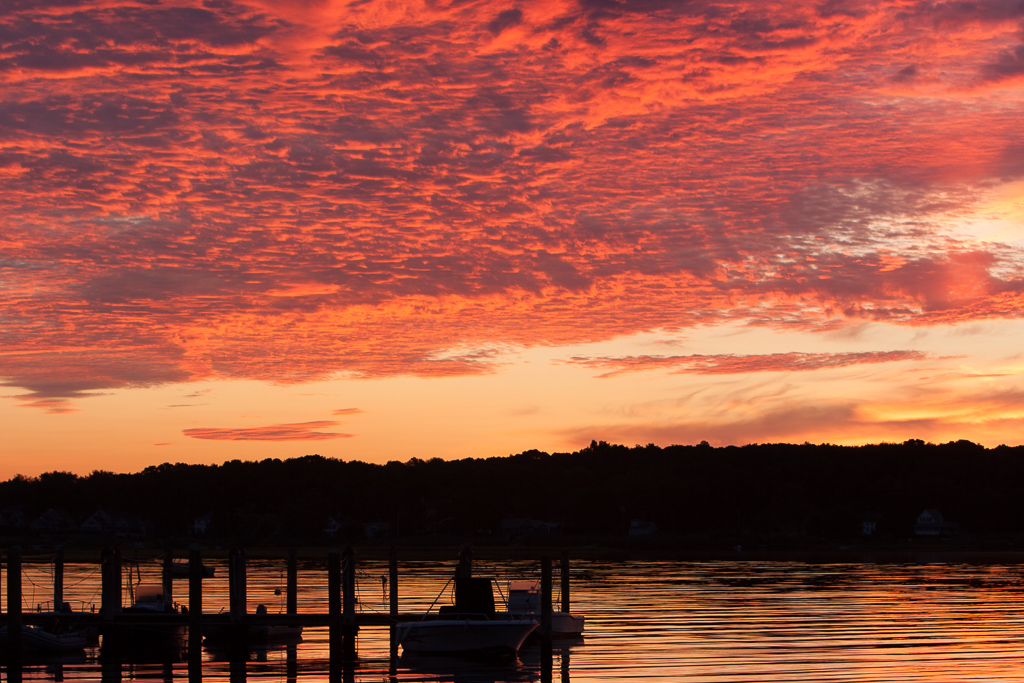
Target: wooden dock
point(341, 618)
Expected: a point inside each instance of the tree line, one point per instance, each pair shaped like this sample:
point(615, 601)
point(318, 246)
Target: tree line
point(691, 494)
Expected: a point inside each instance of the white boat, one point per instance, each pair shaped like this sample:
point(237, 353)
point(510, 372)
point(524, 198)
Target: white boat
point(236, 635)
point(455, 636)
point(163, 631)
point(470, 627)
point(151, 598)
point(524, 601)
point(40, 641)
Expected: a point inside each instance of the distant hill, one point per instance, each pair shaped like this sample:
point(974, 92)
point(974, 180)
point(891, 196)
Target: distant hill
point(690, 496)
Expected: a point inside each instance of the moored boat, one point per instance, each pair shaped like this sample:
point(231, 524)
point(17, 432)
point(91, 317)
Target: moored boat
point(464, 636)
point(37, 640)
point(524, 600)
point(156, 625)
point(470, 627)
point(250, 634)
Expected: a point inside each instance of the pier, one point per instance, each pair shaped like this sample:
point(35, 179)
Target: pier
point(342, 619)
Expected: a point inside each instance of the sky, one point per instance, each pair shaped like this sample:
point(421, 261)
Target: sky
point(378, 229)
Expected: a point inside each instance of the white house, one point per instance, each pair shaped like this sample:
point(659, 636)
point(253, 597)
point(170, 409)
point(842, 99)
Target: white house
point(200, 525)
point(99, 523)
point(52, 521)
point(931, 523)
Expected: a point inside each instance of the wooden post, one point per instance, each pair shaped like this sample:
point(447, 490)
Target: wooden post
point(292, 587)
point(58, 580)
point(236, 670)
point(292, 663)
point(195, 665)
point(393, 601)
point(14, 601)
point(348, 584)
point(167, 576)
point(565, 581)
point(465, 568)
point(348, 595)
point(334, 606)
point(195, 608)
point(546, 654)
point(236, 585)
point(393, 584)
point(110, 578)
point(545, 597)
point(110, 669)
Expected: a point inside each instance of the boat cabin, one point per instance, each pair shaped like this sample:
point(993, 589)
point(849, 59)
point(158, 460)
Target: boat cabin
point(473, 596)
point(523, 597)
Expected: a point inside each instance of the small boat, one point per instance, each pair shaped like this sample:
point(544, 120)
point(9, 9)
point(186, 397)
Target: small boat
point(165, 631)
point(250, 635)
point(151, 598)
point(470, 627)
point(37, 640)
point(524, 600)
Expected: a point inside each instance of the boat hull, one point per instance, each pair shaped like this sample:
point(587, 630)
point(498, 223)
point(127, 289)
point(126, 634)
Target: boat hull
point(566, 625)
point(39, 641)
point(524, 601)
point(251, 635)
point(471, 637)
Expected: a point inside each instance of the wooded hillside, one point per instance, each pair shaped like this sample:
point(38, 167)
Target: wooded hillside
point(767, 493)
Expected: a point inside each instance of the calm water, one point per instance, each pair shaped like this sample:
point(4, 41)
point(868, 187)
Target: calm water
point(671, 621)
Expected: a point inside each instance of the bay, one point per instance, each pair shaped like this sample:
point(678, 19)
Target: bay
point(646, 620)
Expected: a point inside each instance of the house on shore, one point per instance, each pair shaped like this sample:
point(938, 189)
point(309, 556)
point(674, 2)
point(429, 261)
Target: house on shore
point(931, 523)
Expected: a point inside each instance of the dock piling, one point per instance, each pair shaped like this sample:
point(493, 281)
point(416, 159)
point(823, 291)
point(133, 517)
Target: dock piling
point(348, 594)
point(236, 585)
point(110, 578)
point(14, 620)
point(167, 575)
point(393, 584)
point(393, 601)
point(565, 581)
point(465, 568)
point(334, 604)
point(292, 587)
point(545, 597)
point(195, 606)
point(58, 580)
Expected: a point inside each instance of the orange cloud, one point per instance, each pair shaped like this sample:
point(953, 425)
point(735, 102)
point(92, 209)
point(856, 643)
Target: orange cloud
point(300, 431)
point(734, 364)
point(295, 191)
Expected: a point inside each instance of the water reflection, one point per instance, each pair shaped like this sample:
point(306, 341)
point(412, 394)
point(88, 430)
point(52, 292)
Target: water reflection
point(707, 622)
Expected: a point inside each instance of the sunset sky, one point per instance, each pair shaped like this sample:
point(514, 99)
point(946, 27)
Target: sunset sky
point(380, 229)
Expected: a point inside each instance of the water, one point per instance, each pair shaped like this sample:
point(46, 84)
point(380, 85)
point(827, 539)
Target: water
point(667, 621)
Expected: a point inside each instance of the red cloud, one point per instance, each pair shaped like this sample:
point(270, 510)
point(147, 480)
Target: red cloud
point(300, 431)
point(50, 405)
point(267, 191)
point(346, 411)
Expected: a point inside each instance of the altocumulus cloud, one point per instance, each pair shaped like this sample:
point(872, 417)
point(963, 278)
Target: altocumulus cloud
point(482, 174)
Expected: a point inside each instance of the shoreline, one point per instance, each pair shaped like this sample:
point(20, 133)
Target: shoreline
point(449, 553)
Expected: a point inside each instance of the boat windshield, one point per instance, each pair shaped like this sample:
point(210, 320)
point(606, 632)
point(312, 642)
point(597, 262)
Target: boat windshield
point(149, 592)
